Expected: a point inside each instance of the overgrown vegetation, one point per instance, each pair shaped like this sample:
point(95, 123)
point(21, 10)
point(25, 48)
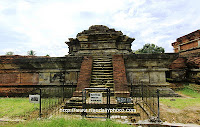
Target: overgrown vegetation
point(61, 122)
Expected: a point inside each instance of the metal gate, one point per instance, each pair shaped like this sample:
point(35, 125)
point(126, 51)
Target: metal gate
point(96, 103)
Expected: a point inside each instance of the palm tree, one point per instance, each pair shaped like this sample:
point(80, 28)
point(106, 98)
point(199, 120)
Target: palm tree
point(31, 53)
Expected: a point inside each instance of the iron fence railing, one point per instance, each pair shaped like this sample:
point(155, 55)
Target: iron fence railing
point(51, 97)
point(147, 98)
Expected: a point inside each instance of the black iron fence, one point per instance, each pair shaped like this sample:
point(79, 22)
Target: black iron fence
point(96, 101)
point(52, 97)
point(146, 98)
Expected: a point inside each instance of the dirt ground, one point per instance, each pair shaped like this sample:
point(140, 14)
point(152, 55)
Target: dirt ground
point(187, 115)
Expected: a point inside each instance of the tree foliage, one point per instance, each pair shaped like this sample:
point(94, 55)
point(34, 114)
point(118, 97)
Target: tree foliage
point(31, 53)
point(150, 48)
point(9, 53)
point(47, 55)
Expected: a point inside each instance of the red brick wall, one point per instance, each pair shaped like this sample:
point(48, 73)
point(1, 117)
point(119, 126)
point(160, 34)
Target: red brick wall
point(193, 38)
point(84, 75)
point(189, 45)
point(195, 52)
point(17, 78)
point(8, 78)
point(176, 50)
point(119, 74)
point(179, 63)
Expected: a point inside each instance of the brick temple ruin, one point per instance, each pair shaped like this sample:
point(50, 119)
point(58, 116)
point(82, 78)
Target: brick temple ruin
point(101, 57)
point(187, 67)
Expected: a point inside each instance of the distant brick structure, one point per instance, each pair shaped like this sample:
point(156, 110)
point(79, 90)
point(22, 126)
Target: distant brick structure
point(188, 44)
point(187, 66)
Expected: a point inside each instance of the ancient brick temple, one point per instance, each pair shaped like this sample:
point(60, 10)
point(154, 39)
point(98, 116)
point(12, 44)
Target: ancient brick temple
point(98, 57)
point(188, 44)
point(187, 67)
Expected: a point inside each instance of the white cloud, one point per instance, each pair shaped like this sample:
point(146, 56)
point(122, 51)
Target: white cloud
point(44, 26)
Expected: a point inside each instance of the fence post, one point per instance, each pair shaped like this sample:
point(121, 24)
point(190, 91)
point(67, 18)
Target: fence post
point(108, 103)
point(158, 95)
point(83, 103)
point(72, 88)
point(142, 90)
point(40, 113)
point(131, 90)
point(63, 89)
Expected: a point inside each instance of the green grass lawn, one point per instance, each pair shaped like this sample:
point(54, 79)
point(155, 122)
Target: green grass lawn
point(11, 107)
point(61, 122)
point(181, 103)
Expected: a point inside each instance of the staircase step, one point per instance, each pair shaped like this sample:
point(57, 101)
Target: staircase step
point(99, 65)
point(101, 75)
point(102, 62)
point(102, 67)
point(103, 56)
point(100, 86)
point(94, 80)
point(101, 78)
point(96, 60)
point(95, 83)
point(103, 70)
point(74, 103)
point(75, 99)
point(72, 106)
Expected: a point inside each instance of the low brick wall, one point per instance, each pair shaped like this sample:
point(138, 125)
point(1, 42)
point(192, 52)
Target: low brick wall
point(119, 76)
point(84, 75)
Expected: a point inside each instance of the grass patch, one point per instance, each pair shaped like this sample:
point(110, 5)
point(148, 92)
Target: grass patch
point(11, 107)
point(61, 122)
point(182, 103)
point(187, 90)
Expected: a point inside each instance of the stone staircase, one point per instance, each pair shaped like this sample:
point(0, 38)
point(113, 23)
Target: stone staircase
point(101, 77)
point(102, 73)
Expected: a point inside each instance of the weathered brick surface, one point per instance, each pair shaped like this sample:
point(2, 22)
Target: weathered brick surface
point(84, 75)
point(19, 78)
point(10, 58)
point(13, 78)
point(179, 63)
point(187, 42)
point(189, 53)
point(189, 45)
point(119, 75)
point(15, 92)
point(193, 62)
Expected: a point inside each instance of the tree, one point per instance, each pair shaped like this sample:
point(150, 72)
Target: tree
point(31, 53)
point(9, 53)
point(47, 55)
point(150, 48)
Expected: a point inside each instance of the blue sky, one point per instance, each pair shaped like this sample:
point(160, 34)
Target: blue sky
point(44, 25)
